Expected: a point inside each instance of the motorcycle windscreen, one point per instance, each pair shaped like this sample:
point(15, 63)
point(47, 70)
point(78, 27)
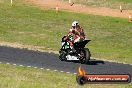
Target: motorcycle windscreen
point(81, 44)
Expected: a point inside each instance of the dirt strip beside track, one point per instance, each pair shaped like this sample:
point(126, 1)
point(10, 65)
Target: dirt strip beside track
point(80, 8)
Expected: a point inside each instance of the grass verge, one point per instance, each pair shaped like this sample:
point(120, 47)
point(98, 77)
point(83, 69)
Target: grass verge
point(23, 77)
point(24, 24)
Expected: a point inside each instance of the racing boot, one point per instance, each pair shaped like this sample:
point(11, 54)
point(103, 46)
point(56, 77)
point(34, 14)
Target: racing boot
point(72, 50)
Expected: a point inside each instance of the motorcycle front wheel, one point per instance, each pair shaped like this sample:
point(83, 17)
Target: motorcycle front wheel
point(85, 56)
point(62, 55)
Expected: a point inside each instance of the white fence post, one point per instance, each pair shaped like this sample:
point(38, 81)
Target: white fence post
point(130, 17)
point(69, 1)
point(11, 2)
point(120, 8)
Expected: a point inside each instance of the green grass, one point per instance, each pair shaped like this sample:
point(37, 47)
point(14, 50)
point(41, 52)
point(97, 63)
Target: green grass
point(111, 37)
point(127, 4)
point(23, 77)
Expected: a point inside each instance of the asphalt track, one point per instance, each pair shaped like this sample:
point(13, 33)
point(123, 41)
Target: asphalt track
point(50, 61)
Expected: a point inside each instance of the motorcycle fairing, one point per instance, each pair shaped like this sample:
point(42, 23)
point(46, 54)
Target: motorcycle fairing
point(81, 44)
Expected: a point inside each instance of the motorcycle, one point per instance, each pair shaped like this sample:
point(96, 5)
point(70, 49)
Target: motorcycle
point(79, 53)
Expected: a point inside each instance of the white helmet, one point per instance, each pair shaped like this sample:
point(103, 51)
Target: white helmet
point(75, 23)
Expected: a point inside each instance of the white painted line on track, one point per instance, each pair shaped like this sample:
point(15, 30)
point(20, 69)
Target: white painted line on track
point(35, 67)
point(55, 70)
point(67, 72)
point(47, 69)
point(74, 73)
point(61, 71)
point(20, 65)
point(28, 66)
point(7, 63)
point(41, 68)
point(14, 64)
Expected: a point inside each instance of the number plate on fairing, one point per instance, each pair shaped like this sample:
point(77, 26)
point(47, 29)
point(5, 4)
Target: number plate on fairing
point(71, 57)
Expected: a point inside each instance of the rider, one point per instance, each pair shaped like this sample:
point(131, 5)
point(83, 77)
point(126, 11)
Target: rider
point(77, 32)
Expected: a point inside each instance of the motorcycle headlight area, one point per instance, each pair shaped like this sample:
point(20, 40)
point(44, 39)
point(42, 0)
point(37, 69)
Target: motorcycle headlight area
point(65, 45)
